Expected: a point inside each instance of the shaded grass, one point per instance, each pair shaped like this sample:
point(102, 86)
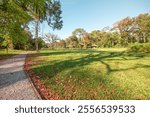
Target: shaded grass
point(5, 55)
point(94, 74)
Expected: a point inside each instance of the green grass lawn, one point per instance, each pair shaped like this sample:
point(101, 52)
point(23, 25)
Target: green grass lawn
point(94, 74)
point(5, 55)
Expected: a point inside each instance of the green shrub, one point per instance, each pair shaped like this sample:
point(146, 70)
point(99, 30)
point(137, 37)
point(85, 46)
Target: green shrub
point(140, 47)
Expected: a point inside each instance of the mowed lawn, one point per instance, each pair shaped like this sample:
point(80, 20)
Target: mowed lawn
point(5, 55)
point(94, 74)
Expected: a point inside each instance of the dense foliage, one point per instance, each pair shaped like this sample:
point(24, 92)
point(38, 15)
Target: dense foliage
point(124, 33)
point(15, 16)
point(138, 47)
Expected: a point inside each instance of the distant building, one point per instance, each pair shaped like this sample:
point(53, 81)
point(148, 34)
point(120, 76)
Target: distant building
point(94, 46)
point(70, 46)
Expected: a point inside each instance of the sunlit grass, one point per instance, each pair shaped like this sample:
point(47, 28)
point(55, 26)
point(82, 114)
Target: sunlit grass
point(4, 54)
point(94, 74)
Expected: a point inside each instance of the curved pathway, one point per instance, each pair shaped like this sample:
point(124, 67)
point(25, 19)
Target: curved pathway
point(14, 82)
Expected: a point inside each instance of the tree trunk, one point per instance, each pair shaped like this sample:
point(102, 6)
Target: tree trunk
point(36, 33)
point(7, 49)
point(83, 40)
point(144, 39)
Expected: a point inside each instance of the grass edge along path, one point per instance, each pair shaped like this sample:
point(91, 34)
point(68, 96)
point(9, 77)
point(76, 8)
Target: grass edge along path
point(41, 88)
point(5, 55)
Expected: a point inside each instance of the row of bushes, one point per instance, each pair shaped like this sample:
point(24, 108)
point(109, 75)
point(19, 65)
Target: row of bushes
point(140, 47)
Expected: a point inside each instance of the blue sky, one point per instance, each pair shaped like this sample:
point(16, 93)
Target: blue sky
point(96, 14)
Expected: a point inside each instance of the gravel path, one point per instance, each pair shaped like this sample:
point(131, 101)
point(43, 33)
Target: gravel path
point(14, 83)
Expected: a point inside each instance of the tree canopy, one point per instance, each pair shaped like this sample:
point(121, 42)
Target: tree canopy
point(123, 33)
point(15, 16)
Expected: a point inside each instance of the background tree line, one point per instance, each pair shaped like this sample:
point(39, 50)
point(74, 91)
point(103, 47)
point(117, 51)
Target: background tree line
point(123, 33)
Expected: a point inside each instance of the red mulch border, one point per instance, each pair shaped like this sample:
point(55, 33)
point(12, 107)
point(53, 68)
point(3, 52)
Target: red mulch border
point(41, 88)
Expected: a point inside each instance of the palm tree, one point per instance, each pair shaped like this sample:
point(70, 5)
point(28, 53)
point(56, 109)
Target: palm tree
point(46, 10)
point(43, 10)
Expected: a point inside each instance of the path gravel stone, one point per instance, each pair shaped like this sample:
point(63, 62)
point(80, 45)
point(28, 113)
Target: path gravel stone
point(14, 82)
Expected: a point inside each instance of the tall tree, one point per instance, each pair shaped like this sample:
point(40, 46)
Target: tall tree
point(10, 15)
point(12, 20)
point(51, 39)
point(125, 27)
point(142, 23)
point(80, 33)
point(43, 10)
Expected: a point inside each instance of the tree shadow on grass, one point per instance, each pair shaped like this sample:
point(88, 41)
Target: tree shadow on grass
point(101, 56)
point(59, 52)
point(50, 70)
